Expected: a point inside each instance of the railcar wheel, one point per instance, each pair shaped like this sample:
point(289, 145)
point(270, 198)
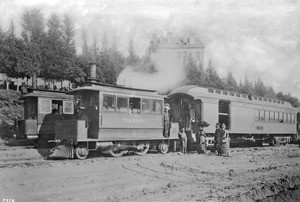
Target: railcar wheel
point(116, 153)
point(81, 152)
point(163, 148)
point(145, 148)
point(274, 142)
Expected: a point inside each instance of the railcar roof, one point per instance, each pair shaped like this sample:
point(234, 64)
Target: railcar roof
point(198, 92)
point(117, 89)
point(49, 94)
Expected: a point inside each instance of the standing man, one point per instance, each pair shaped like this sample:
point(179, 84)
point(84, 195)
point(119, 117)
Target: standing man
point(190, 119)
point(183, 138)
point(202, 141)
point(166, 120)
point(218, 132)
point(225, 142)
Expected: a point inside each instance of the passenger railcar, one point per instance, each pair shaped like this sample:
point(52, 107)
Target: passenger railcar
point(266, 120)
point(41, 109)
point(114, 120)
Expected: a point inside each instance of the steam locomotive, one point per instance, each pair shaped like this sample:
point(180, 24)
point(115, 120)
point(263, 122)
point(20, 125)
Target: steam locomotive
point(116, 119)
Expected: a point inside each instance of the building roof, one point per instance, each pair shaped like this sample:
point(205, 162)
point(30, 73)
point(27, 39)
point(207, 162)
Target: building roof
point(198, 92)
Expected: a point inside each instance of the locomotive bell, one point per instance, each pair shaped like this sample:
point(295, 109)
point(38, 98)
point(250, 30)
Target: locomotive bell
point(93, 69)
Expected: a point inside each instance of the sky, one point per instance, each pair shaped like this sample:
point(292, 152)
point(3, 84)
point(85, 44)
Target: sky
point(250, 38)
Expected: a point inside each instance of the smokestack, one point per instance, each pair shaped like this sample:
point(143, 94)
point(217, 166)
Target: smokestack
point(92, 76)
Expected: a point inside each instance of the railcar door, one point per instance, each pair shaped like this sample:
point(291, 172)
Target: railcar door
point(88, 109)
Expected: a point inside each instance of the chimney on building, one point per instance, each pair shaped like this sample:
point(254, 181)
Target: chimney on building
point(92, 74)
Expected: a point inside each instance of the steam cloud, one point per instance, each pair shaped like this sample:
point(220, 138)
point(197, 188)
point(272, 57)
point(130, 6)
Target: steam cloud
point(167, 76)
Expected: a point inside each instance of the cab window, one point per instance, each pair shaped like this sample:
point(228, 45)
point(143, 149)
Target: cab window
point(108, 103)
point(157, 106)
point(122, 104)
point(45, 106)
point(146, 106)
point(68, 107)
point(135, 105)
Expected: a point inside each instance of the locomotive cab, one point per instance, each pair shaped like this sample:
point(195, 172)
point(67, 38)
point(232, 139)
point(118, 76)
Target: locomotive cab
point(41, 109)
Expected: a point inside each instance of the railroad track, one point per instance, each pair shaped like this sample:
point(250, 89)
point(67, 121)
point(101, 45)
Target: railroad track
point(12, 162)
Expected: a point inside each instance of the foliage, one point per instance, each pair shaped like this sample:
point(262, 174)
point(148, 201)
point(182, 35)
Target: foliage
point(47, 49)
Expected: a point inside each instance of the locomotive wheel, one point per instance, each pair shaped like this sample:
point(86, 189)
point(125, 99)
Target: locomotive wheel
point(81, 152)
point(145, 149)
point(163, 148)
point(116, 153)
point(274, 142)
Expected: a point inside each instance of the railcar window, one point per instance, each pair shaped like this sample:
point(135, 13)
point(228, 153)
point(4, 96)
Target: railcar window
point(284, 118)
point(224, 92)
point(276, 116)
point(135, 105)
point(157, 106)
point(254, 97)
point(244, 96)
point(68, 107)
point(108, 103)
point(280, 117)
point(45, 106)
point(122, 104)
point(293, 118)
point(146, 105)
point(31, 108)
point(218, 91)
point(256, 115)
point(288, 118)
point(272, 116)
point(231, 93)
point(238, 95)
point(261, 115)
point(267, 116)
point(211, 90)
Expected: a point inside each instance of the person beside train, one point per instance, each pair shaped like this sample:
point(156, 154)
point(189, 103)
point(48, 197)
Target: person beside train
point(166, 120)
point(202, 141)
point(190, 119)
point(183, 139)
point(217, 140)
point(225, 142)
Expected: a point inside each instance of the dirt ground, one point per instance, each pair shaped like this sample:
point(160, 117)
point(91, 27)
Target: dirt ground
point(251, 174)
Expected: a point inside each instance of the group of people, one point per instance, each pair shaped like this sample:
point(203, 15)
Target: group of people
point(221, 141)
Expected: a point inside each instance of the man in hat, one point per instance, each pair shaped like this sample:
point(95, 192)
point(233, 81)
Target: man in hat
point(202, 141)
point(183, 139)
point(218, 132)
point(166, 120)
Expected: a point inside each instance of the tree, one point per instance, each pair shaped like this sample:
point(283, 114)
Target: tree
point(11, 55)
point(71, 64)
point(246, 87)
point(110, 65)
point(212, 78)
point(52, 65)
point(195, 75)
point(259, 88)
point(34, 37)
point(230, 83)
